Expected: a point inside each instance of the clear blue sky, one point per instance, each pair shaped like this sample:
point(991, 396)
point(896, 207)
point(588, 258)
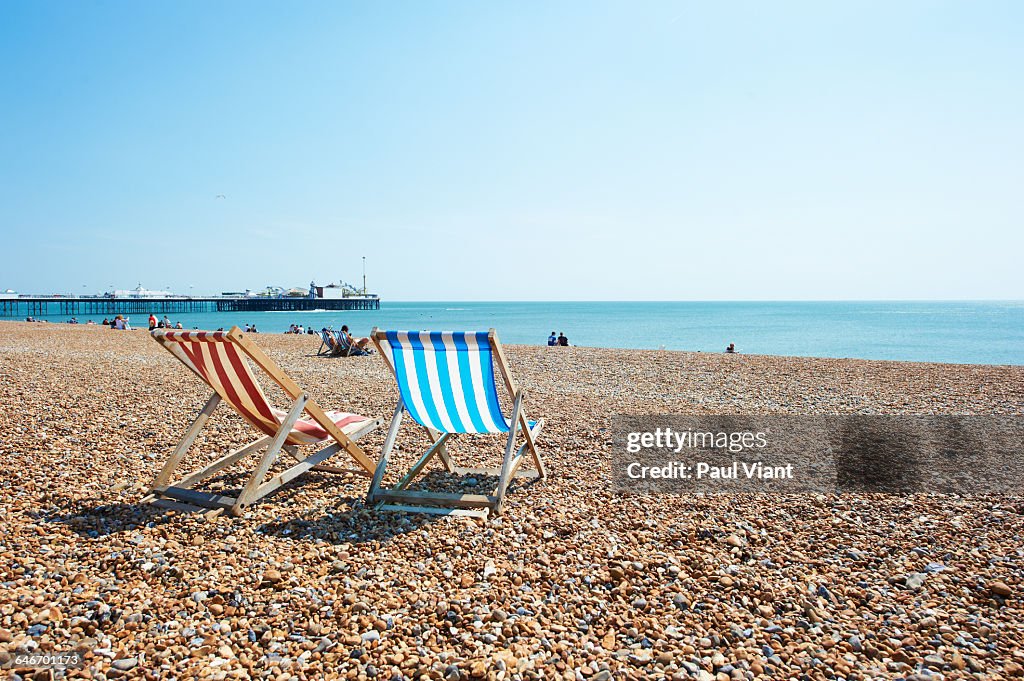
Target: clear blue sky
point(539, 150)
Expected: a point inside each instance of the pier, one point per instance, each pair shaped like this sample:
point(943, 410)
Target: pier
point(41, 306)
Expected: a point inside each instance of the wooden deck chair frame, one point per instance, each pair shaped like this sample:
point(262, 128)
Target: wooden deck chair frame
point(181, 496)
point(399, 498)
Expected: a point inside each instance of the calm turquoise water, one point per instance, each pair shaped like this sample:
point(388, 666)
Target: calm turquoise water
point(967, 332)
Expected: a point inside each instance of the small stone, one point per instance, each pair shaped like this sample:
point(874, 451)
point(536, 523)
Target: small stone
point(6, 636)
point(726, 580)
point(216, 609)
point(372, 635)
point(498, 615)
point(733, 540)
point(198, 540)
point(272, 576)
point(125, 664)
point(856, 644)
point(915, 580)
point(1000, 588)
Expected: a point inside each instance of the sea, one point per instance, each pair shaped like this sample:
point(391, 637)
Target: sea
point(986, 332)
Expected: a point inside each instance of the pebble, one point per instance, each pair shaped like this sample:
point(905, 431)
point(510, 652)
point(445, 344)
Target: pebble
point(124, 664)
point(1000, 589)
point(915, 580)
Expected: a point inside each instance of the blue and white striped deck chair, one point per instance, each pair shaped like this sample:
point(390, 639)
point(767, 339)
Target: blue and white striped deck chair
point(447, 384)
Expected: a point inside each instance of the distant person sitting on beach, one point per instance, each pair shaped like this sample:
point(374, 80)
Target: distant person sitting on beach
point(563, 341)
point(254, 329)
point(731, 349)
point(179, 326)
point(152, 321)
point(360, 343)
point(248, 328)
point(106, 322)
point(552, 340)
point(166, 322)
point(119, 323)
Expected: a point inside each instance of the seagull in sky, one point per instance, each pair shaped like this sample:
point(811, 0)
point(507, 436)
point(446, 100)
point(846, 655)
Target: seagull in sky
point(221, 196)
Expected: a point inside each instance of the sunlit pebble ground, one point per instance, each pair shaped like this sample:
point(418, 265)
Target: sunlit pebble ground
point(570, 581)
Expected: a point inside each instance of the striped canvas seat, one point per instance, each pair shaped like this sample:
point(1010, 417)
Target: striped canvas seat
point(448, 384)
point(346, 349)
point(447, 380)
point(217, 361)
point(327, 345)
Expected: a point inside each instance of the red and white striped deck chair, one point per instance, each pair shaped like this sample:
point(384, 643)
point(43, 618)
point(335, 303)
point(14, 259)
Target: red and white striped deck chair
point(221, 359)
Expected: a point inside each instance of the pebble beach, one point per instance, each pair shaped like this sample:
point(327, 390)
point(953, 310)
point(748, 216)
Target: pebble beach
point(570, 581)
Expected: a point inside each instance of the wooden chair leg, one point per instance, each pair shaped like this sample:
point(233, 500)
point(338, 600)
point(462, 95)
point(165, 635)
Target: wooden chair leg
point(164, 476)
point(531, 444)
point(434, 436)
point(507, 463)
point(198, 476)
point(248, 494)
point(424, 460)
point(389, 443)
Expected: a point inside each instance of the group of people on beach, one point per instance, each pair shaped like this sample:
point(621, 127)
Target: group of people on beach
point(120, 323)
point(559, 341)
point(251, 328)
point(164, 323)
point(123, 323)
point(359, 345)
point(300, 329)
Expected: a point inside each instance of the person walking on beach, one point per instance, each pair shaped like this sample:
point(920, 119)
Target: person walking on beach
point(552, 340)
point(563, 341)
